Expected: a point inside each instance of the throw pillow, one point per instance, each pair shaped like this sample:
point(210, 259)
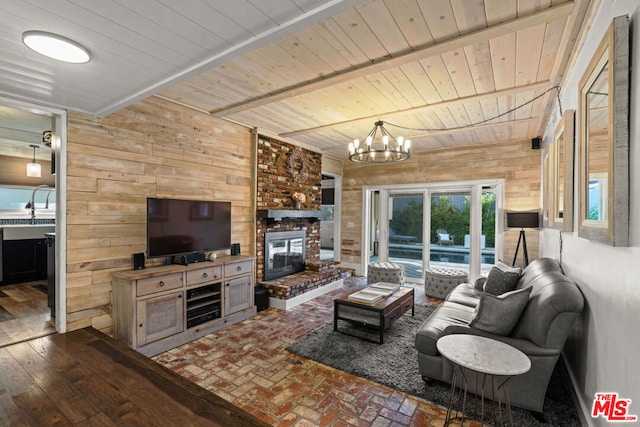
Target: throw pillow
point(500, 314)
point(501, 279)
point(507, 268)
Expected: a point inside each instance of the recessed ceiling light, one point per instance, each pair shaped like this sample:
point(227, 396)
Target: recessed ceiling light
point(56, 47)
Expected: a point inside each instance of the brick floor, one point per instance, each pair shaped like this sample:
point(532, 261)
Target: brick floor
point(247, 364)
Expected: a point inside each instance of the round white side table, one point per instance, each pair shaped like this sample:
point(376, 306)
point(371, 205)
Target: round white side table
point(490, 360)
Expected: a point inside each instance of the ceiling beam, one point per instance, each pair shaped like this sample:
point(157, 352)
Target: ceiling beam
point(327, 10)
point(427, 108)
point(484, 34)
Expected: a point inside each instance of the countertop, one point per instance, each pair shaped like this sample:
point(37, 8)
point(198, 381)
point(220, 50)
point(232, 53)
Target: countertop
point(26, 231)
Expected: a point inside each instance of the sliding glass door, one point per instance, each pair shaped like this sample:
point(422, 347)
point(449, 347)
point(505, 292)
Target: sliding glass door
point(452, 225)
point(405, 230)
point(452, 237)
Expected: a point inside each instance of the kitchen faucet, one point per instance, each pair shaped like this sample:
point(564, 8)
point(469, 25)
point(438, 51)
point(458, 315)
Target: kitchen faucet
point(32, 204)
point(46, 204)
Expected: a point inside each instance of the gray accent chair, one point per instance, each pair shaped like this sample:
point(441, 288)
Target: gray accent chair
point(554, 304)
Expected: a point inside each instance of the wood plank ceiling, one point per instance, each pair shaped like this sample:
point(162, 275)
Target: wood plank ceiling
point(429, 68)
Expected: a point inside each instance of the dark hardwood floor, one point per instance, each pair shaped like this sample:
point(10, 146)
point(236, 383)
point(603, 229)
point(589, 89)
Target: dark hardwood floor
point(85, 378)
point(24, 313)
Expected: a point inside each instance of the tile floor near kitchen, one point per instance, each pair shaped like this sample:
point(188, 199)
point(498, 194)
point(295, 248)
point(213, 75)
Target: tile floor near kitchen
point(247, 364)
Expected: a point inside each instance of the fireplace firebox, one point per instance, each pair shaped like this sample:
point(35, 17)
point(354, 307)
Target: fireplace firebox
point(284, 253)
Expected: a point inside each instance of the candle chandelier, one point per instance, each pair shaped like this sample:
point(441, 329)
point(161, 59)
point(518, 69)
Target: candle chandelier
point(385, 149)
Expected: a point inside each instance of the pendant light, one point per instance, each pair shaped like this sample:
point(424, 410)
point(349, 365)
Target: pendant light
point(33, 169)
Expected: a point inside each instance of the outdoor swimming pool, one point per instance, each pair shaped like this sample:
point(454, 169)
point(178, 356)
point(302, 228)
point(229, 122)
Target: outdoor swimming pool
point(458, 257)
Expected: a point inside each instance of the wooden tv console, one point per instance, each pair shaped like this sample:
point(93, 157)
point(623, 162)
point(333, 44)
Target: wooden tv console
point(159, 308)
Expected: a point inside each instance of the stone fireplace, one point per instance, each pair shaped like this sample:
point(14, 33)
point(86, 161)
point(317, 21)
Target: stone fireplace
point(284, 253)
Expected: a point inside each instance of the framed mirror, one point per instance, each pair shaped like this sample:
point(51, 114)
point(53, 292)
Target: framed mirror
point(561, 215)
point(603, 140)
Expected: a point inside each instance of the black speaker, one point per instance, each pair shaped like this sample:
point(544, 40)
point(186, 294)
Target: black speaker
point(235, 249)
point(191, 258)
point(138, 261)
point(535, 143)
point(261, 298)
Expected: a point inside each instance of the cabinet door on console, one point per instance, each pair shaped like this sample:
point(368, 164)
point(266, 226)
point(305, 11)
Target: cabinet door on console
point(238, 294)
point(160, 317)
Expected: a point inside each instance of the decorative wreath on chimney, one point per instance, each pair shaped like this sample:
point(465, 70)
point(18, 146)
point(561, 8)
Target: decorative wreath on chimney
point(297, 166)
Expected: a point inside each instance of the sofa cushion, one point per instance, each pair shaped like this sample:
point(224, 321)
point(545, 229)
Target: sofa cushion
point(553, 297)
point(537, 267)
point(501, 279)
point(432, 328)
point(465, 294)
point(500, 314)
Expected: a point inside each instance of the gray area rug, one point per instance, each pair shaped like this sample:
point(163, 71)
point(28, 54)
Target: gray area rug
point(395, 365)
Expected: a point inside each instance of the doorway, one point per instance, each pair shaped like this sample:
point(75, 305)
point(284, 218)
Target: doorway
point(32, 287)
point(455, 225)
point(329, 223)
point(405, 231)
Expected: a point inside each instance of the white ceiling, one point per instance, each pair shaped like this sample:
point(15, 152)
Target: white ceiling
point(316, 72)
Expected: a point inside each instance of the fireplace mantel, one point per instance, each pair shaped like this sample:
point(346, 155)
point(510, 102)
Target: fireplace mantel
point(279, 214)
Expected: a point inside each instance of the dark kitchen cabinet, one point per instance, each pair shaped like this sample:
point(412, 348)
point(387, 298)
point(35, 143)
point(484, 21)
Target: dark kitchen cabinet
point(24, 260)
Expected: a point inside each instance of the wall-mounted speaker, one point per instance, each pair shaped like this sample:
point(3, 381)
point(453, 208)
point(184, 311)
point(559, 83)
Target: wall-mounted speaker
point(138, 261)
point(535, 143)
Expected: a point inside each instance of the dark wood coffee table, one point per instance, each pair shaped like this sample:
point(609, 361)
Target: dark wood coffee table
point(381, 314)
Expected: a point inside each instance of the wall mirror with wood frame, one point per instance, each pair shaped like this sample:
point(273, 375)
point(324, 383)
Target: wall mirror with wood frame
point(561, 215)
point(603, 140)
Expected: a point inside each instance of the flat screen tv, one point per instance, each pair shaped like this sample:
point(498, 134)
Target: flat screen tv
point(178, 227)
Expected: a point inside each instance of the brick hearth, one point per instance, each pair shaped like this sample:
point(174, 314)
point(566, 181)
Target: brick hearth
point(318, 278)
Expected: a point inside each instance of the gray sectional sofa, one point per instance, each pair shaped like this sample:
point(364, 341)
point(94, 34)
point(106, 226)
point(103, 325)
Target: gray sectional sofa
point(553, 305)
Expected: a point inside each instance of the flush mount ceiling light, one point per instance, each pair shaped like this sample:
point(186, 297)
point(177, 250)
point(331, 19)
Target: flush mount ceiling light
point(383, 150)
point(56, 47)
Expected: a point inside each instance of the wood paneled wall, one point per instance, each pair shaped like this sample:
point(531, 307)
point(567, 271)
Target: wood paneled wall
point(152, 149)
point(332, 165)
point(517, 163)
point(157, 149)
